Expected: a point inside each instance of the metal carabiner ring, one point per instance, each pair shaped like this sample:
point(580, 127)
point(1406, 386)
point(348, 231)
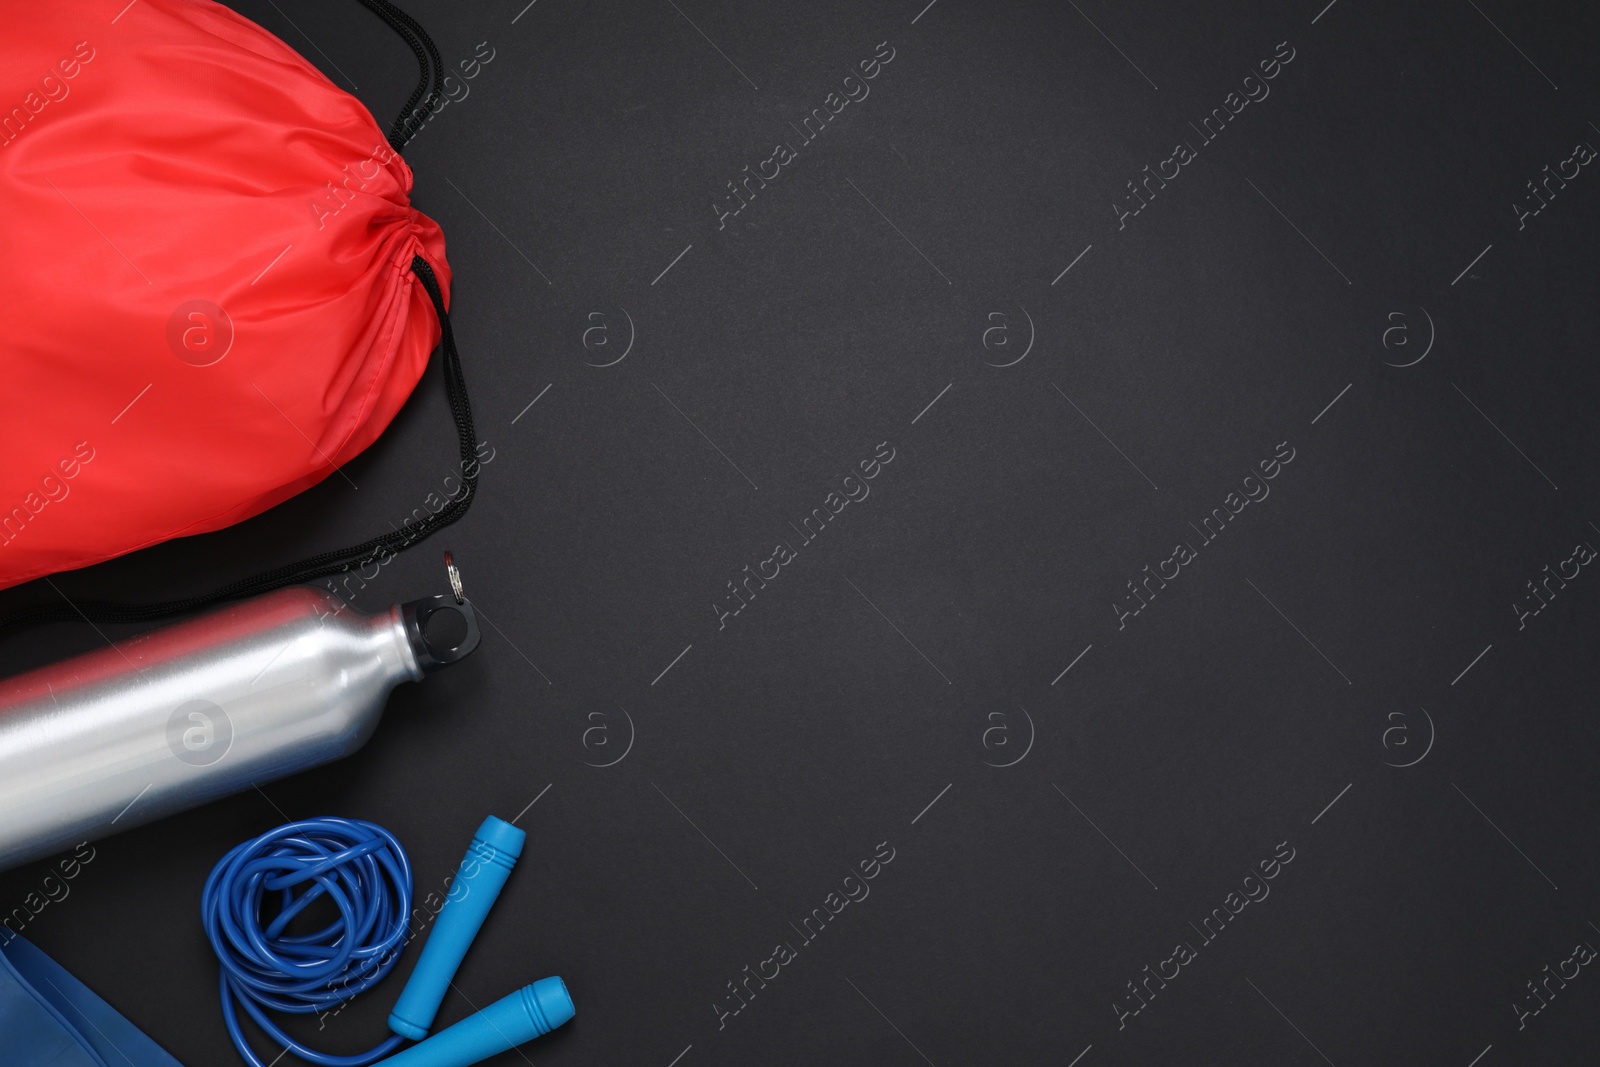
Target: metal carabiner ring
point(455, 577)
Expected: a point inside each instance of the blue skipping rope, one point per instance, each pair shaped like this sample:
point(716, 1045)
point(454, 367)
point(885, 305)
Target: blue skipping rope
point(362, 870)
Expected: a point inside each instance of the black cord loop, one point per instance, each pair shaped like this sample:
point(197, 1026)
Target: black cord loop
point(412, 118)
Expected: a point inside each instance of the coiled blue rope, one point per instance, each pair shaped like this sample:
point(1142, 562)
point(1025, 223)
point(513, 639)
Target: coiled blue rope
point(362, 870)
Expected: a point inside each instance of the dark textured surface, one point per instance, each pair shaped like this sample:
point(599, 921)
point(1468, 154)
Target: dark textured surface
point(1359, 617)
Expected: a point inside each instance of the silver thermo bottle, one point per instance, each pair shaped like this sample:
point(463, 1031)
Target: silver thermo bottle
point(194, 711)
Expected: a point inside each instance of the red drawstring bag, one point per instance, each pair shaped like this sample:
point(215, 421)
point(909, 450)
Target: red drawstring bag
point(219, 290)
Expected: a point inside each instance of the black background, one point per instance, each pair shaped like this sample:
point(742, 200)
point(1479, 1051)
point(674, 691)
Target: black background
point(914, 644)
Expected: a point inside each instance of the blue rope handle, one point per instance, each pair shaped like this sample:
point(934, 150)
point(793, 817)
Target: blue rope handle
point(362, 870)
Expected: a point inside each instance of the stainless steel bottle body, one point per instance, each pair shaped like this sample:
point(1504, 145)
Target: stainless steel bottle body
point(191, 712)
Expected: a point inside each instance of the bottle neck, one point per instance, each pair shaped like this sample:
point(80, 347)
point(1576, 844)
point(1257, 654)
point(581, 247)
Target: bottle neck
point(399, 655)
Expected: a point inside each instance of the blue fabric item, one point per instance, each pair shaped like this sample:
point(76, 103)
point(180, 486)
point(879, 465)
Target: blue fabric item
point(50, 1019)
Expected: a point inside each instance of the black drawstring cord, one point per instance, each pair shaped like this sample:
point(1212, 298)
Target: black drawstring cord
point(412, 118)
point(375, 551)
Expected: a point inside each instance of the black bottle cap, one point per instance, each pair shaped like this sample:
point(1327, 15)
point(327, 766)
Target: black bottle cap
point(441, 630)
